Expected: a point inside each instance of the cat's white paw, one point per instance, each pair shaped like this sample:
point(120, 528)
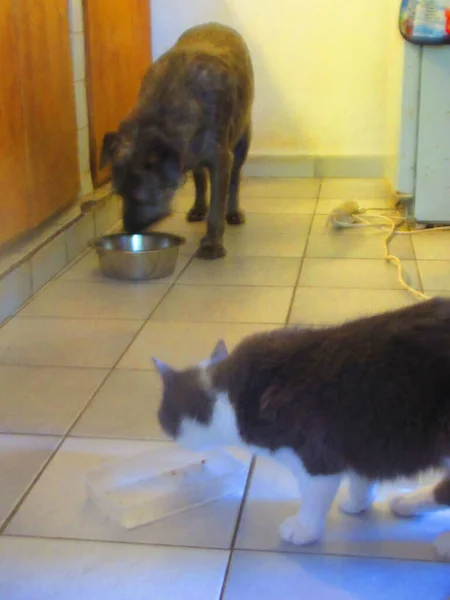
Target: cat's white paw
point(402, 507)
point(294, 532)
point(442, 545)
point(355, 506)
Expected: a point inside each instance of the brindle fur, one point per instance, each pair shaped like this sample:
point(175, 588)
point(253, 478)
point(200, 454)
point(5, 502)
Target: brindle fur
point(193, 114)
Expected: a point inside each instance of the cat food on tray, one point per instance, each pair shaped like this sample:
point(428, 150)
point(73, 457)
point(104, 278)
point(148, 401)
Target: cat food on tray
point(152, 485)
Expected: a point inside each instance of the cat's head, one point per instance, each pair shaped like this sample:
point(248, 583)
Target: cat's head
point(192, 412)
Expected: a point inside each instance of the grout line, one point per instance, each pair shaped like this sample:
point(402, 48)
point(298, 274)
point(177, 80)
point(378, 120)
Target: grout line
point(236, 528)
point(31, 485)
point(112, 368)
point(337, 555)
point(295, 553)
point(93, 317)
point(28, 490)
point(51, 434)
point(56, 367)
point(51, 456)
point(416, 263)
point(302, 262)
point(116, 438)
point(113, 542)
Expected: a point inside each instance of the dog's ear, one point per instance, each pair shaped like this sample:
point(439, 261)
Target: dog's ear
point(110, 142)
point(162, 158)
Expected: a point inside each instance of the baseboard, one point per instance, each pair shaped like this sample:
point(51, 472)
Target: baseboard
point(278, 165)
point(299, 165)
point(32, 261)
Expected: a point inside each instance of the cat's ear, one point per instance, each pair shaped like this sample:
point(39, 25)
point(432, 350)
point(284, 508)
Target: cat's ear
point(220, 352)
point(163, 369)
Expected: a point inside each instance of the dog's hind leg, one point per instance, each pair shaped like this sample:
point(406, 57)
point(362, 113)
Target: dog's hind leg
point(200, 207)
point(234, 215)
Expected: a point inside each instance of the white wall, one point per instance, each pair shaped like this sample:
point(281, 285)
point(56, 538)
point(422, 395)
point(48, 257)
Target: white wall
point(320, 68)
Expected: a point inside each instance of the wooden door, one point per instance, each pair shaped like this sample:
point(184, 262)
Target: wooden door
point(117, 56)
point(14, 217)
point(49, 105)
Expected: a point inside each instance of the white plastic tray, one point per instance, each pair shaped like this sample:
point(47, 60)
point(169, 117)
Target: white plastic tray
point(152, 485)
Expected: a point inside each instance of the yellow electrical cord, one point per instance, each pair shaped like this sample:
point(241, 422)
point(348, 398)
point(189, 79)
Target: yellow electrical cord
point(348, 215)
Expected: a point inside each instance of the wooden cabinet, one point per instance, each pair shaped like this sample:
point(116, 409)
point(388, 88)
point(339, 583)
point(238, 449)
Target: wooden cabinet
point(38, 149)
point(49, 105)
point(14, 214)
point(117, 56)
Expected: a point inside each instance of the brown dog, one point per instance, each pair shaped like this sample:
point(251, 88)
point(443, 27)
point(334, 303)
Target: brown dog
point(193, 114)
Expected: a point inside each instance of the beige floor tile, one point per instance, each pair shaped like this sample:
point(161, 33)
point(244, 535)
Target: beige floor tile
point(225, 304)
point(353, 189)
point(260, 187)
point(431, 245)
point(322, 306)
point(21, 458)
point(298, 206)
point(182, 203)
point(126, 406)
point(383, 205)
point(192, 242)
point(44, 400)
point(268, 243)
point(437, 293)
point(99, 300)
point(58, 506)
point(87, 269)
point(257, 223)
point(183, 344)
point(272, 576)
point(435, 274)
point(257, 187)
point(281, 235)
point(295, 224)
point(188, 189)
point(177, 223)
point(355, 273)
point(238, 270)
point(335, 245)
point(273, 496)
point(65, 342)
point(32, 569)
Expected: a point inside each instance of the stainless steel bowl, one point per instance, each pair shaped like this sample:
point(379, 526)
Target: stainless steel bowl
point(138, 257)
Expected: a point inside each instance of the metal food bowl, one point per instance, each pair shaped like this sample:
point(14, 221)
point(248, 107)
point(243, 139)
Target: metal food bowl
point(138, 257)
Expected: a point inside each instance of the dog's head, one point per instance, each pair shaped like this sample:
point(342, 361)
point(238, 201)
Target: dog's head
point(146, 171)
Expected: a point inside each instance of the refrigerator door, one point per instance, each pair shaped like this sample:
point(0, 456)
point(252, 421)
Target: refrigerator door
point(432, 194)
point(402, 109)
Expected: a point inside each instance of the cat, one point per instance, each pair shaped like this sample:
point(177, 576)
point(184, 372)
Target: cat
point(368, 399)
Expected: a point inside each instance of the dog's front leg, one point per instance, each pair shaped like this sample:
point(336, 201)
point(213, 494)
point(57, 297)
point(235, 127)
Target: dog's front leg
point(211, 246)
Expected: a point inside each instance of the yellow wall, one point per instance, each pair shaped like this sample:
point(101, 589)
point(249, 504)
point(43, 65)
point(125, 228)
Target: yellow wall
point(321, 68)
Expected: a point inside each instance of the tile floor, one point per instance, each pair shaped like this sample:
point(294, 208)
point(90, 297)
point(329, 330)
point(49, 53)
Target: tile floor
point(78, 388)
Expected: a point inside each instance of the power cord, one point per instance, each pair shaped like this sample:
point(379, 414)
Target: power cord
point(349, 215)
